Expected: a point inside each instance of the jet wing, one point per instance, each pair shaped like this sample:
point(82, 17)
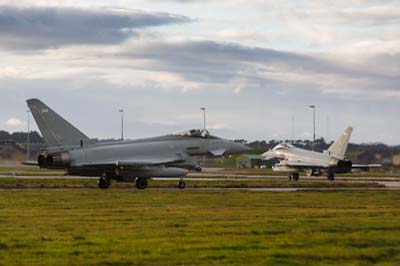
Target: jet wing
point(301, 164)
point(135, 162)
point(364, 167)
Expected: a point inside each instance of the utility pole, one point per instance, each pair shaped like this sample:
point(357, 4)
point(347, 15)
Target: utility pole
point(204, 128)
point(122, 123)
point(29, 133)
point(313, 107)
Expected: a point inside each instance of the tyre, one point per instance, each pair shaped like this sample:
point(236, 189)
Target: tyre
point(142, 183)
point(181, 184)
point(104, 182)
point(296, 176)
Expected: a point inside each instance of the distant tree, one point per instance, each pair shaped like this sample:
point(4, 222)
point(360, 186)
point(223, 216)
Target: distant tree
point(21, 137)
point(4, 135)
point(35, 137)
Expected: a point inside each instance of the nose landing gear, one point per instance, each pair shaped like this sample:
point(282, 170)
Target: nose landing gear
point(181, 184)
point(104, 182)
point(331, 175)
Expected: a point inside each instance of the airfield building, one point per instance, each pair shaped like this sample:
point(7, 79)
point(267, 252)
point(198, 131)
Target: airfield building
point(11, 150)
point(252, 161)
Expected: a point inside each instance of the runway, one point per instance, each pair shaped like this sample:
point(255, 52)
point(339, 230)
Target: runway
point(397, 188)
point(213, 175)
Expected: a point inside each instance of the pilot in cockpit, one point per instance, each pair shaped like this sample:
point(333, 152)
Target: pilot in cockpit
point(195, 133)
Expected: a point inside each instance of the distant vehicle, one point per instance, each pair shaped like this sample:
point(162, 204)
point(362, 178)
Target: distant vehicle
point(331, 161)
point(127, 161)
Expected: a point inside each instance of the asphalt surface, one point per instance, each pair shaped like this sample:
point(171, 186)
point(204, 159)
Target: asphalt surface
point(389, 184)
point(214, 189)
point(211, 174)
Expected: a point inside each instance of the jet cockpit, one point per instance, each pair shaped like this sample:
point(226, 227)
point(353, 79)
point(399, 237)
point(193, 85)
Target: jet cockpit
point(194, 133)
point(283, 146)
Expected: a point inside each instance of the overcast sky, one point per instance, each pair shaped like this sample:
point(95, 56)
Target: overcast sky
point(255, 65)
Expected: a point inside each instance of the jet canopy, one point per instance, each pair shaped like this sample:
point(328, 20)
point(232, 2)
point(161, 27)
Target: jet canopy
point(283, 146)
point(194, 133)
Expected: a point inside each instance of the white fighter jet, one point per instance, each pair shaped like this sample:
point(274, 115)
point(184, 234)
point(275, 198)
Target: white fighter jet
point(331, 161)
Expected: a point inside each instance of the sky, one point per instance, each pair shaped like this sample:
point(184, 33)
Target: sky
point(256, 66)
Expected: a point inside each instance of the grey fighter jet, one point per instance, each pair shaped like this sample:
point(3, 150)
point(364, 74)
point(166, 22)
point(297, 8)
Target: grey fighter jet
point(331, 161)
point(126, 161)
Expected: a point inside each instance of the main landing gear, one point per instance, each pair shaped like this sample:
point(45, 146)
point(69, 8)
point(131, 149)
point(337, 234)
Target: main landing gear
point(313, 172)
point(104, 182)
point(142, 183)
point(294, 176)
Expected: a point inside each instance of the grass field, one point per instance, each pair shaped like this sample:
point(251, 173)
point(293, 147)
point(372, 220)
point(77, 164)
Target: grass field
point(154, 227)
point(28, 171)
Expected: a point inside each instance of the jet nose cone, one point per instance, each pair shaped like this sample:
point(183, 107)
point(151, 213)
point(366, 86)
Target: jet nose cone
point(268, 155)
point(239, 148)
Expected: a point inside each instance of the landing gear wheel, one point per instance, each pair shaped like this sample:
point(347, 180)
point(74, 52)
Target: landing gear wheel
point(142, 183)
point(104, 182)
point(331, 176)
point(181, 184)
point(295, 176)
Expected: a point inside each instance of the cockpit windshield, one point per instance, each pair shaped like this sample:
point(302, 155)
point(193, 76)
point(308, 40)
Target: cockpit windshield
point(283, 146)
point(195, 133)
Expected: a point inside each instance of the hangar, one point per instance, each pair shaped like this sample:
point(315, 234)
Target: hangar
point(252, 161)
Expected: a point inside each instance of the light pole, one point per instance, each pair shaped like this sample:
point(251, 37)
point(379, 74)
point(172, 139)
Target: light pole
point(327, 129)
point(292, 129)
point(204, 117)
point(29, 133)
point(204, 127)
point(122, 123)
point(313, 107)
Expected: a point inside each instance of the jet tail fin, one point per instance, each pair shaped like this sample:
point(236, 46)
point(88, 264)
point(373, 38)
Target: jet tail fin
point(56, 130)
point(339, 147)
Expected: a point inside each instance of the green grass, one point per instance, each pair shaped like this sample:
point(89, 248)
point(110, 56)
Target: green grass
point(130, 227)
point(22, 183)
point(28, 171)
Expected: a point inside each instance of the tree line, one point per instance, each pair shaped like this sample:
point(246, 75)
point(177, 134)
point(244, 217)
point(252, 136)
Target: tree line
point(21, 137)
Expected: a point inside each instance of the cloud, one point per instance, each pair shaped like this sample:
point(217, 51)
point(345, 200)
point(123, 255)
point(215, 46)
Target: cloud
point(187, 64)
point(34, 27)
point(227, 65)
point(14, 122)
